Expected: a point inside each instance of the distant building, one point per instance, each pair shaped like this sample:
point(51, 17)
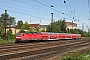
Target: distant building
point(15, 30)
point(71, 25)
point(34, 25)
point(42, 27)
point(12, 28)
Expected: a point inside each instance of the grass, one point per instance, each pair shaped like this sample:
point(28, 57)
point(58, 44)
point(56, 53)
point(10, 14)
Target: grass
point(10, 41)
point(84, 56)
point(85, 37)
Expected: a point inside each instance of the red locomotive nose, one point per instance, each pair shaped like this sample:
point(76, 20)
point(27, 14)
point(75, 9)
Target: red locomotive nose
point(18, 37)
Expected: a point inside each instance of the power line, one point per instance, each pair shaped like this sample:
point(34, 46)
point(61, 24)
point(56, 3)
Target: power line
point(33, 5)
point(33, 11)
point(81, 14)
point(40, 7)
point(67, 7)
point(51, 8)
point(70, 11)
point(24, 14)
point(20, 12)
point(39, 12)
point(24, 10)
point(70, 6)
point(89, 9)
point(37, 6)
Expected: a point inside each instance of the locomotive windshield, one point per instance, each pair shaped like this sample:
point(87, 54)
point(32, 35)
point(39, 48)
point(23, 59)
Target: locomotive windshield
point(19, 34)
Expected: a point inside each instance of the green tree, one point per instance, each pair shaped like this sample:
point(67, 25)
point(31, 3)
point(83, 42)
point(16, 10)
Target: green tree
point(63, 26)
point(11, 21)
point(68, 30)
point(26, 25)
point(19, 23)
point(9, 34)
point(43, 30)
point(78, 31)
point(3, 17)
point(58, 26)
point(48, 28)
point(30, 30)
point(38, 29)
point(21, 31)
point(1, 30)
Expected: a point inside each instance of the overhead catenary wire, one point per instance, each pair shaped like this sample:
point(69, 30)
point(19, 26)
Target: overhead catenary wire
point(30, 11)
point(70, 6)
point(40, 7)
point(33, 5)
point(74, 15)
point(70, 10)
point(67, 7)
point(35, 12)
point(24, 10)
point(89, 9)
point(23, 13)
point(51, 8)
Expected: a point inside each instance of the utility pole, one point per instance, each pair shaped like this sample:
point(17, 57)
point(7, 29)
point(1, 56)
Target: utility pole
point(5, 18)
point(82, 26)
point(51, 22)
point(40, 21)
point(30, 21)
point(72, 24)
point(88, 31)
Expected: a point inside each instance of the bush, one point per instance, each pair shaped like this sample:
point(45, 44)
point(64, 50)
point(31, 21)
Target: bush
point(10, 41)
point(84, 56)
point(10, 35)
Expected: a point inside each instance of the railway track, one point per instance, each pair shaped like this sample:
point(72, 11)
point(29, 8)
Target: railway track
point(34, 44)
point(30, 47)
point(52, 52)
point(39, 50)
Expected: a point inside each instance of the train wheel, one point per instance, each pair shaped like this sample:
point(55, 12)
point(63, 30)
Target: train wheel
point(17, 41)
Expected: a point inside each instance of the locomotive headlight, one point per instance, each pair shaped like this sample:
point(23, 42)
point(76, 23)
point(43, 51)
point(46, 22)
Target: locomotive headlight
point(18, 37)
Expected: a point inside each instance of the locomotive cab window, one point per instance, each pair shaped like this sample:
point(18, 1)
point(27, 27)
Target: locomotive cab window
point(19, 34)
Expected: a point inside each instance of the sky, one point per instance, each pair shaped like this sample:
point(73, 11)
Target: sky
point(39, 11)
